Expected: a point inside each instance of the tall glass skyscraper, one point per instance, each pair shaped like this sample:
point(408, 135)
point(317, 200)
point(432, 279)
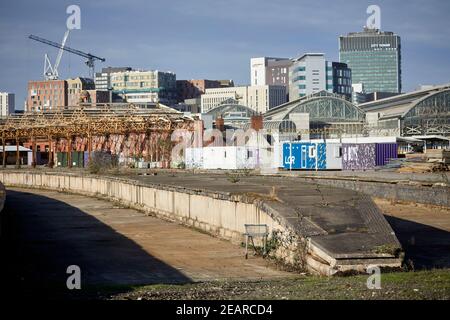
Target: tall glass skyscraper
point(374, 58)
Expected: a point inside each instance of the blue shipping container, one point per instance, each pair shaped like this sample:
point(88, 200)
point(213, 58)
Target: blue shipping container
point(304, 155)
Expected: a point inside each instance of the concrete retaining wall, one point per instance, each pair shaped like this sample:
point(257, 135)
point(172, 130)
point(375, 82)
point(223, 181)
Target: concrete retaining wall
point(216, 213)
point(220, 214)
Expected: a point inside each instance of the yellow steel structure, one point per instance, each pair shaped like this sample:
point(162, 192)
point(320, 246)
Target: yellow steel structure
point(88, 121)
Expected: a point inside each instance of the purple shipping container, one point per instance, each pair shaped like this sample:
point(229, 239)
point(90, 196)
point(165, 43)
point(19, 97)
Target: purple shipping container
point(358, 156)
point(384, 152)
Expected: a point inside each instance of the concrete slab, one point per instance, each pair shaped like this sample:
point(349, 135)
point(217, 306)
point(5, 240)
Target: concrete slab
point(346, 223)
point(49, 230)
point(313, 212)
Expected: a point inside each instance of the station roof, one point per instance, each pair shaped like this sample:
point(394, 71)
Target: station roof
point(397, 106)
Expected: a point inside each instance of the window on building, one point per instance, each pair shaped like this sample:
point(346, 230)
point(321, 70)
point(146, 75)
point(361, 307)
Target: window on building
point(312, 151)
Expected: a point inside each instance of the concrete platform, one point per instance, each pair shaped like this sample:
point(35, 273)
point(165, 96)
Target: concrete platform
point(112, 245)
point(345, 229)
point(329, 229)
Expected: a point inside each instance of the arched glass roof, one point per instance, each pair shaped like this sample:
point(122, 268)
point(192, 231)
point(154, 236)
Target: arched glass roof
point(321, 107)
point(329, 109)
point(231, 109)
point(430, 115)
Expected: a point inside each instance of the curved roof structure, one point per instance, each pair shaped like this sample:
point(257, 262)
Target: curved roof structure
point(321, 107)
point(423, 112)
point(429, 115)
point(231, 108)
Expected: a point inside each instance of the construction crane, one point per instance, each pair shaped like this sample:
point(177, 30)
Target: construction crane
point(51, 72)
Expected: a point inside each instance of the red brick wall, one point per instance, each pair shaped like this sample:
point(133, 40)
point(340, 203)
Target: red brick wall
point(39, 92)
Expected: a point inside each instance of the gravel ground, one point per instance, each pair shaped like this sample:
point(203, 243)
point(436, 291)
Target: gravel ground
point(433, 284)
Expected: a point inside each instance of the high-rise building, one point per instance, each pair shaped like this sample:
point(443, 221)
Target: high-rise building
point(311, 73)
point(270, 71)
point(7, 103)
point(140, 86)
point(258, 98)
point(374, 58)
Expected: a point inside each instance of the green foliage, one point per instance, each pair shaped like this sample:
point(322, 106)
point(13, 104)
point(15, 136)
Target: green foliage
point(101, 162)
point(233, 178)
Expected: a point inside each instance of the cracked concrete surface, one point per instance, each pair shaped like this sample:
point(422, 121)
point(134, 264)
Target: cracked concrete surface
point(114, 245)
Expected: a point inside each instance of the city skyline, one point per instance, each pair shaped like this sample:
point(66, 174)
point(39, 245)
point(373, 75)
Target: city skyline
point(194, 41)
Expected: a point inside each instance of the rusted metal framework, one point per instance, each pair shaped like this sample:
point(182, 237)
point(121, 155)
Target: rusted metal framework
point(88, 122)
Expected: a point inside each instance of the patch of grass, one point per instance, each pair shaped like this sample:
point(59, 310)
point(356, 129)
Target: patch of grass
point(102, 162)
point(388, 249)
point(233, 177)
point(432, 284)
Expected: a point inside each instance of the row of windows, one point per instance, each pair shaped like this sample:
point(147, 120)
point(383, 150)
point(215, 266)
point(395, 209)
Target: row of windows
point(344, 81)
point(344, 89)
point(47, 102)
point(343, 73)
point(153, 98)
point(51, 92)
point(299, 69)
point(210, 91)
point(54, 97)
point(125, 78)
point(48, 85)
point(135, 84)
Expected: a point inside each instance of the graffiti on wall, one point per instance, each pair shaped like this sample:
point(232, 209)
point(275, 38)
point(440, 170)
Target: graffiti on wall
point(358, 156)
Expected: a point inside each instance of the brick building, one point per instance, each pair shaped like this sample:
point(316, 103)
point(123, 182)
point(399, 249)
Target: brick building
point(46, 95)
point(75, 87)
point(190, 89)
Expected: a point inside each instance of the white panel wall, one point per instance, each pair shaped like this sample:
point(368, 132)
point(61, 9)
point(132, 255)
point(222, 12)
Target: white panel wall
point(258, 71)
point(333, 156)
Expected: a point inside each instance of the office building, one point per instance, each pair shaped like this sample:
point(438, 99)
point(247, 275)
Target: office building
point(7, 103)
point(141, 86)
point(258, 98)
point(46, 95)
point(190, 89)
point(374, 58)
point(270, 71)
point(103, 79)
point(342, 79)
point(311, 73)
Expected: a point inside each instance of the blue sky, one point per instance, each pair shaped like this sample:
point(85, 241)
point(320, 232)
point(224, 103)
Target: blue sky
point(213, 39)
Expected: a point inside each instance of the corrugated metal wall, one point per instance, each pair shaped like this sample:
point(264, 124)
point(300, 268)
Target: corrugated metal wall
point(384, 152)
